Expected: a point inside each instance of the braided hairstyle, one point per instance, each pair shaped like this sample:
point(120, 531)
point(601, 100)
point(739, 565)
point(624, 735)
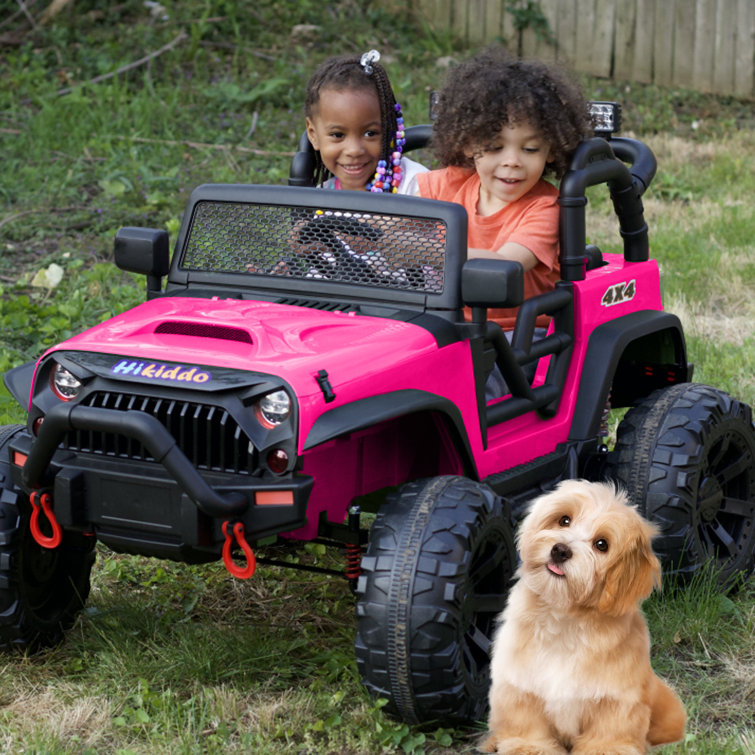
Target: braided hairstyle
point(495, 89)
point(347, 73)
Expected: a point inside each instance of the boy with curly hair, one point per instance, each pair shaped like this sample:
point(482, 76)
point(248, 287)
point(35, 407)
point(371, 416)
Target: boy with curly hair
point(502, 125)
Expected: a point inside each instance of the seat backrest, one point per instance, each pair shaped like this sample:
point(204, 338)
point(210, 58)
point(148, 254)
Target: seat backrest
point(302, 170)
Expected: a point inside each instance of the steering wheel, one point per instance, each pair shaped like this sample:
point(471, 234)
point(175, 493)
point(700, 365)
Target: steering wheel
point(333, 257)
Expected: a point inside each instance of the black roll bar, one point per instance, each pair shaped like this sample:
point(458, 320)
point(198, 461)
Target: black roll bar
point(599, 161)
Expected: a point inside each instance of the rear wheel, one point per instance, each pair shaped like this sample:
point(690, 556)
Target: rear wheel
point(435, 577)
point(686, 455)
point(41, 589)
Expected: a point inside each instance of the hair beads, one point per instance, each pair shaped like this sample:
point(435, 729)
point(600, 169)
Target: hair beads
point(388, 175)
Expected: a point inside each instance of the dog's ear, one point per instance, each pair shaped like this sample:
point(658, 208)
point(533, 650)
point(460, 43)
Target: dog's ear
point(632, 577)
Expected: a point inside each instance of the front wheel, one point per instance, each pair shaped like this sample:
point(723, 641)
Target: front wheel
point(435, 576)
point(41, 589)
point(686, 456)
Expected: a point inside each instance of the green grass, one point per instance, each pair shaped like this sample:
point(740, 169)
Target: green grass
point(172, 658)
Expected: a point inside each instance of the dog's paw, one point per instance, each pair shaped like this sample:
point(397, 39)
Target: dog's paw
point(489, 744)
point(608, 749)
point(519, 746)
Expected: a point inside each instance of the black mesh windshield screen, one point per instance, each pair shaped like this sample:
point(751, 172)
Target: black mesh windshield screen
point(388, 251)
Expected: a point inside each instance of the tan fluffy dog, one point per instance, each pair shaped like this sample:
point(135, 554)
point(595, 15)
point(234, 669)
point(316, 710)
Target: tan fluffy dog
point(571, 657)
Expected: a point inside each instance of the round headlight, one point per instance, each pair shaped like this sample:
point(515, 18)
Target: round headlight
point(273, 408)
point(65, 384)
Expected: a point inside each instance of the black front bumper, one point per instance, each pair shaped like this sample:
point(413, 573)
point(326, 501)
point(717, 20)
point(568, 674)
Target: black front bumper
point(164, 507)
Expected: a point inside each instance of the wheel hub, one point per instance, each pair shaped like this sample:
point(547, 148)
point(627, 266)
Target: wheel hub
point(711, 499)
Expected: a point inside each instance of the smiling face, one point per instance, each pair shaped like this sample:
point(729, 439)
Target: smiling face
point(509, 166)
point(346, 128)
point(583, 547)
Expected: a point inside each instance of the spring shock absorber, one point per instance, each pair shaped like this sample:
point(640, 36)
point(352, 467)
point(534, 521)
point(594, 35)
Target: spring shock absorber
point(353, 547)
point(604, 419)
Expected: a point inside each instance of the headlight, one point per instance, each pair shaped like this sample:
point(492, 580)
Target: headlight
point(65, 384)
point(273, 408)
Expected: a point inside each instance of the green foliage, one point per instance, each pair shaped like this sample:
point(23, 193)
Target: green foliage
point(528, 14)
point(34, 319)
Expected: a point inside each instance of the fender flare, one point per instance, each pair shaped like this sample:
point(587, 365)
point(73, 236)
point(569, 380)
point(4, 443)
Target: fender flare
point(18, 381)
point(606, 345)
point(367, 412)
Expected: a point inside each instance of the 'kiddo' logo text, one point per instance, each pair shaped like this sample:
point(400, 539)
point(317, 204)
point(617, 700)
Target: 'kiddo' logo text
point(160, 371)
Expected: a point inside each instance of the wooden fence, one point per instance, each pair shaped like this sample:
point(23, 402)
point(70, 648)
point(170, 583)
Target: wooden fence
point(707, 45)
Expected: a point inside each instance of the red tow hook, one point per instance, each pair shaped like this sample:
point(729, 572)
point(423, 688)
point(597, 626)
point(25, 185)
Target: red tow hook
point(45, 502)
point(251, 561)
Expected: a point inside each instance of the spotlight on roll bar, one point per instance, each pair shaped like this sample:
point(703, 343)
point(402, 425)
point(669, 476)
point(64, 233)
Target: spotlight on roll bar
point(607, 117)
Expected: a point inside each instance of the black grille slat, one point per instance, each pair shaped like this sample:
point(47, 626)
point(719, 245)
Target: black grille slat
point(220, 443)
point(196, 430)
point(185, 430)
point(209, 440)
point(208, 435)
point(237, 448)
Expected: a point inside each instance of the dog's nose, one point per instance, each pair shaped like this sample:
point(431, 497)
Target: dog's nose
point(560, 553)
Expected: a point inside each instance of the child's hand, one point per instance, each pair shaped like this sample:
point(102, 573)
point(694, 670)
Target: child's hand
point(509, 251)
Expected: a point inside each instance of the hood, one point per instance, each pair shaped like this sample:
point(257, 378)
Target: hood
point(276, 339)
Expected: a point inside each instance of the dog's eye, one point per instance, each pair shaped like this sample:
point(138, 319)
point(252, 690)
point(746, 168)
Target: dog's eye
point(564, 521)
point(601, 545)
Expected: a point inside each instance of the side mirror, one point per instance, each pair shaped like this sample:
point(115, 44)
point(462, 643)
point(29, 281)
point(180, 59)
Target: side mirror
point(491, 283)
point(145, 251)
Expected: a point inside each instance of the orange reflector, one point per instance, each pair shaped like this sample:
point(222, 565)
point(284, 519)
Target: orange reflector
point(274, 497)
point(19, 459)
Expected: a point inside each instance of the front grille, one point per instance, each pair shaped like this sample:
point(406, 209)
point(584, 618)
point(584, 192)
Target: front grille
point(393, 252)
point(208, 435)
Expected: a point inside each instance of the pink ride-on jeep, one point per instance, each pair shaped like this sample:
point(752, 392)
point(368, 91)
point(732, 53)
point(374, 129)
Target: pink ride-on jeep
point(303, 357)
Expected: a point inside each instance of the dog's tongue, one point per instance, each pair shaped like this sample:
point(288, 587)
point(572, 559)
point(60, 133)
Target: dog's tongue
point(552, 567)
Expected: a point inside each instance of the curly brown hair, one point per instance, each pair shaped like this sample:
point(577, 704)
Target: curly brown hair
point(495, 89)
point(345, 73)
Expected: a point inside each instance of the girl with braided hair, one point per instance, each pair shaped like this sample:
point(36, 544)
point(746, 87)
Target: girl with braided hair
point(356, 127)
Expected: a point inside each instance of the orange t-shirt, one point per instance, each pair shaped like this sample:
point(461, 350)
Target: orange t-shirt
point(531, 221)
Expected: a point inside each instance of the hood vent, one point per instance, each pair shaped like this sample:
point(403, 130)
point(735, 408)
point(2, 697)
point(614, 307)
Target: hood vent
point(315, 304)
point(203, 330)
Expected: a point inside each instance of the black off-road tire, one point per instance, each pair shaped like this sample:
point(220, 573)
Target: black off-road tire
point(41, 590)
point(686, 456)
point(436, 575)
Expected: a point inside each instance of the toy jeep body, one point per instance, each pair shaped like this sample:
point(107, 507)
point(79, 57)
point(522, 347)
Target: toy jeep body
point(305, 351)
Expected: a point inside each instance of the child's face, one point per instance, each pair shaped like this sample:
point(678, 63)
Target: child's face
point(509, 166)
point(346, 128)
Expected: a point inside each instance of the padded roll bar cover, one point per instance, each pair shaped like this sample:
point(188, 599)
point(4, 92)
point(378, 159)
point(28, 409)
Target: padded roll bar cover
point(597, 161)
